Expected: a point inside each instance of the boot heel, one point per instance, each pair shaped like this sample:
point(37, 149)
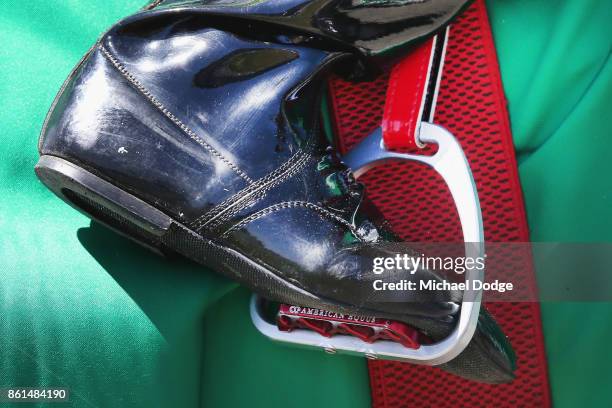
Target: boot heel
point(104, 202)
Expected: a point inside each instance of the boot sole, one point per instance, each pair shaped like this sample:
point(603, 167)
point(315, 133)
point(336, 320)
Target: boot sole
point(139, 221)
point(130, 216)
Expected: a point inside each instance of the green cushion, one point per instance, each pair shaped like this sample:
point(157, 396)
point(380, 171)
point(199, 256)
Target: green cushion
point(555, 65)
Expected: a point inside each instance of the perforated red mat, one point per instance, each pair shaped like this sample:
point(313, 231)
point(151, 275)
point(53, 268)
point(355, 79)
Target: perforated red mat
point(415, 200)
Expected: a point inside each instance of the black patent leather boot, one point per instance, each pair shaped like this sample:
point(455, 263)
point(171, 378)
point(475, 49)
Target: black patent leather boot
point(370, 28)
point(203, 142)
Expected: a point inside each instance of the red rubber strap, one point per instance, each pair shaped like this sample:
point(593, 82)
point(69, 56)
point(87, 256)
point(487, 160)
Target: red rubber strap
point(411, 93)
point(472, 106)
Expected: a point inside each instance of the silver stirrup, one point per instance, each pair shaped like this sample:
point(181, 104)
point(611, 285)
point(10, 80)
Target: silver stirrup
point(450, 162)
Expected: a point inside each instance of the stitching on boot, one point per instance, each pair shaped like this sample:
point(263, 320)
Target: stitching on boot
point(259, 194)
point(217, 223)
point(144, 91)
point(292, 204)
point(236, 202)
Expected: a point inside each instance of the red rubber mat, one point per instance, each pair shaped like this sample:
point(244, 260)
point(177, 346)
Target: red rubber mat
point(414, 199)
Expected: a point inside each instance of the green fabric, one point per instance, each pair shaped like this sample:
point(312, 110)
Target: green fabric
point(555, 64)
point(83, 308)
